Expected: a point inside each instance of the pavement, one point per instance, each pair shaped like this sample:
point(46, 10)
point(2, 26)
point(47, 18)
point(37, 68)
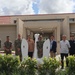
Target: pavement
point(13, 53)
point(2, 52)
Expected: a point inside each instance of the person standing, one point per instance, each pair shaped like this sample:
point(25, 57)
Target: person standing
point(0, 43)
point(64, 50)
point(72, 44)
point(30, 46)
point(17, 45)
point(7, 46)
point(40, 46)
point(53, 46)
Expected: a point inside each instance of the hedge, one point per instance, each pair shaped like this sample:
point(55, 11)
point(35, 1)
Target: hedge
point(11, 65)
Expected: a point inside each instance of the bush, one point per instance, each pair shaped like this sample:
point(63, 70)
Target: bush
point(28, 67)
point(61, 72)
point(49, 66)
point(71, 65)
point(8, 64)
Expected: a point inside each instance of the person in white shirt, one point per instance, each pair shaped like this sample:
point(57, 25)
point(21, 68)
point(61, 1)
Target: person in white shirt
point(64, 50)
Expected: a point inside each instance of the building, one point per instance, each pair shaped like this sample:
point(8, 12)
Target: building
point(45, 24)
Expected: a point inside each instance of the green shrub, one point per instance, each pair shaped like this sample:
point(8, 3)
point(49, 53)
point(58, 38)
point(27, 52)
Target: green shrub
point(71, 65)
point(43, 67)
point(8, 64)
point(61, 72)
point(28, 67)
point(49, 66)
point(13, 73)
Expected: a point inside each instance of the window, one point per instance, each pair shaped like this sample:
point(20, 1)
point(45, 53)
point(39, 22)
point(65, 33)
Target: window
point(72, 19)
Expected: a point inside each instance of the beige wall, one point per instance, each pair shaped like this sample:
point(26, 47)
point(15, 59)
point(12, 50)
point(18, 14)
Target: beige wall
point(32, 35)
point(72, 28)
point(24, 33)
point(7, 30)
point(20, 27)
point(42, 16)
point(66, 28)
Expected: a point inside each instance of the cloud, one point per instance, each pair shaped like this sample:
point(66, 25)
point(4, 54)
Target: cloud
point(56, 6)
point(16, 7)
point(26, 7)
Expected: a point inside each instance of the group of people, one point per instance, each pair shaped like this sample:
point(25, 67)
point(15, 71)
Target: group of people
point(31, 46)
point(17, 46)
point(66, 47)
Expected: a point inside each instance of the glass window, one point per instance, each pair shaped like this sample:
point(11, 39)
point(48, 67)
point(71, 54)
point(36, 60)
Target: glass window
point(72, 19)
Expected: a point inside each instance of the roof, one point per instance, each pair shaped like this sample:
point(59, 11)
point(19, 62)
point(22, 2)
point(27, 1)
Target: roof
point(38, 14)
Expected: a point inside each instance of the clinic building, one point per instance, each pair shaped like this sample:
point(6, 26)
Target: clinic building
point(45, 24)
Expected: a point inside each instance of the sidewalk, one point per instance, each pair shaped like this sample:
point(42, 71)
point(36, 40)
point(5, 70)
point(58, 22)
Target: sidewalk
point(2, 52)
point(13, 53)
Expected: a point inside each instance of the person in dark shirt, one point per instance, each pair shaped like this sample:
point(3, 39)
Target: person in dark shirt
point(53, 46)
point(72, 44)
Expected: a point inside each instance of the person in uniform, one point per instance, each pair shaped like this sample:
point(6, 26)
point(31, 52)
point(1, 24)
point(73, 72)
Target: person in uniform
point(7, 46)
point(30, 46)
point(0, 43)
point(72, 44)
point(17, 45)
point(40, 46)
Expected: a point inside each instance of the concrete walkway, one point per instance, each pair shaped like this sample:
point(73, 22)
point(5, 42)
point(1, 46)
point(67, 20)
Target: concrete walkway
point(2, 52)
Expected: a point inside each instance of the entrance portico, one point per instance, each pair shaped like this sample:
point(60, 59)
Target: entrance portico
point(47, 27)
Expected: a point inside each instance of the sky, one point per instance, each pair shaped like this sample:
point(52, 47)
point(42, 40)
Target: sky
point(29, 7)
